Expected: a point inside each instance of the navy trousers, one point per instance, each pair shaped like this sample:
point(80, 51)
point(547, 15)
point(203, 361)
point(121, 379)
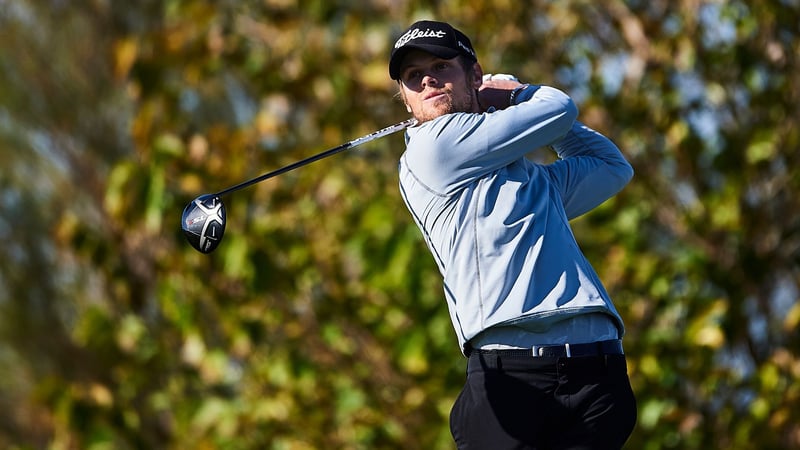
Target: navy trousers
point(513, 401)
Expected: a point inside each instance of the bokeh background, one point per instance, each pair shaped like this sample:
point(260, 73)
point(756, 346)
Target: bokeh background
point(319, 322)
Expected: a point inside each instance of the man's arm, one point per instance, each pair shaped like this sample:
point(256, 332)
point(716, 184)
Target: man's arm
point(597, 169)
point(591, 170)
point(455, 149)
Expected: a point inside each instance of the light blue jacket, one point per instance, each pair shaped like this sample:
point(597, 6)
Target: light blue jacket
point(497, 223)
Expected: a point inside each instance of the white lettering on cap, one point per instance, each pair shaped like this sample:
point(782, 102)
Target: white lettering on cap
point(467, 49)
point(416, 33)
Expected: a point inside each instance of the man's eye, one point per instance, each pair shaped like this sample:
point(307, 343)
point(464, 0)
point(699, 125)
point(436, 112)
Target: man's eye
point(412, 75)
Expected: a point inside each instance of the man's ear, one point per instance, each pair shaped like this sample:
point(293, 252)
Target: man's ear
point(478, 71)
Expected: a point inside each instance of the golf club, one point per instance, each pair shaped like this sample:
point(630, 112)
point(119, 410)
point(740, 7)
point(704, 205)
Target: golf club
point(203, 220)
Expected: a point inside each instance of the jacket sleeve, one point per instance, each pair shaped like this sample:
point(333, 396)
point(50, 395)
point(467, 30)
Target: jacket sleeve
point(456, 149)
point(591, 169)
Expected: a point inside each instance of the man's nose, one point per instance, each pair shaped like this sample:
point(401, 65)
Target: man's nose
point(429, 80)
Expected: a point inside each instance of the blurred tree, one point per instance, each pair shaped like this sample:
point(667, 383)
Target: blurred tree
point(319, 322)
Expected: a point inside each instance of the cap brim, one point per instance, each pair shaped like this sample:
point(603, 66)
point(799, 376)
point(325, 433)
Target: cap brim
point(396, 61)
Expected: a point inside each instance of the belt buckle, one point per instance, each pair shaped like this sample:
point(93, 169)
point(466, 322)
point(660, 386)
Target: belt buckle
point(538, 350)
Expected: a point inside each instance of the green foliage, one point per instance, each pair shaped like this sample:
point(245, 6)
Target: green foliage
point(319, 322)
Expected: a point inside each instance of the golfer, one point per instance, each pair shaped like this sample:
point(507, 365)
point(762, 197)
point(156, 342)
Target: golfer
point(546, 368)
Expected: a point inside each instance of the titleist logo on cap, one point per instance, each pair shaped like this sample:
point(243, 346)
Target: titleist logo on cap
point(437, 38)
point(416, 33)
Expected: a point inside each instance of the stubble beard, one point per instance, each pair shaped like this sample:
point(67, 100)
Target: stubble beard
point(447, 104)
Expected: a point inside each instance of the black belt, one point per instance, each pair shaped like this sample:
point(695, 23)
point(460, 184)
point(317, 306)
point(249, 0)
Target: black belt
point(600, 348)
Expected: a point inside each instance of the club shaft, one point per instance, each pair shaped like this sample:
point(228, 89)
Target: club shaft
point(354, 143)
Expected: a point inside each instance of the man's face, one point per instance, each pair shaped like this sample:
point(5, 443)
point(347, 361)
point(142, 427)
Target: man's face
point(431, 86)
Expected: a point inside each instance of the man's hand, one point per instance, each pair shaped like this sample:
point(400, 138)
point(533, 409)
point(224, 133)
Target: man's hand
point(496, 91)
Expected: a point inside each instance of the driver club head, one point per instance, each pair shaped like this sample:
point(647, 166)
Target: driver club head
point(203, 222)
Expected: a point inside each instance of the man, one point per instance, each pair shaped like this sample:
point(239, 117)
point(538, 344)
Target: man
point(546, 368)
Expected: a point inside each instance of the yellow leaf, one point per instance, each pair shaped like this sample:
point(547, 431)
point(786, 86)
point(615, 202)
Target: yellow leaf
point(125, 53)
